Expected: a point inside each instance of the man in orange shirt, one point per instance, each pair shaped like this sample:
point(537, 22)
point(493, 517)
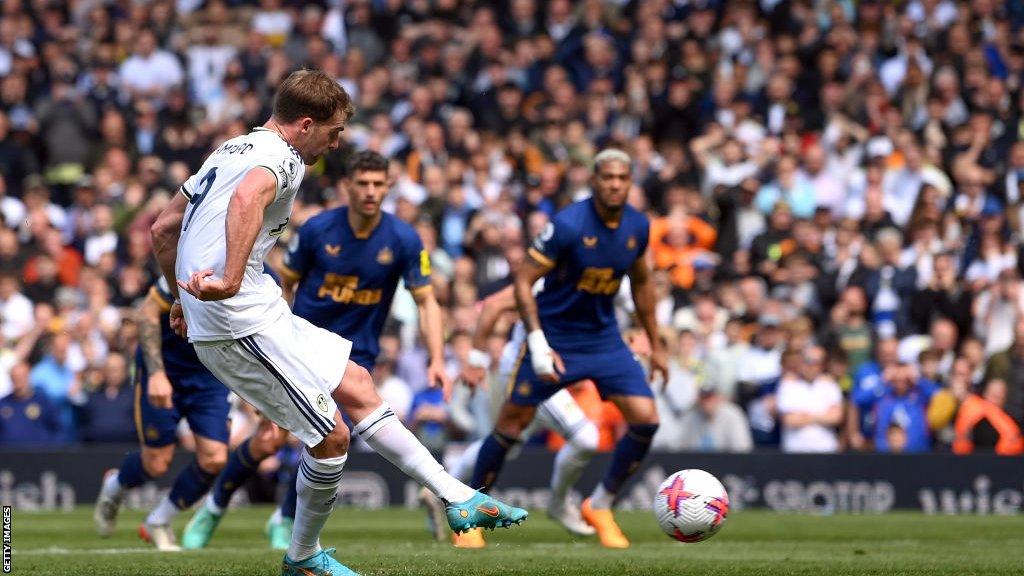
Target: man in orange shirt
point(677, 241)
point(982, 423)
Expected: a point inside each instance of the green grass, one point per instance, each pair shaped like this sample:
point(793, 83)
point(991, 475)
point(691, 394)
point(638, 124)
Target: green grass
point(396, 542)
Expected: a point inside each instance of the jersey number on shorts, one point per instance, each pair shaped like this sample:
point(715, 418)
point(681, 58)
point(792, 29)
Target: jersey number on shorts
point(206, 183)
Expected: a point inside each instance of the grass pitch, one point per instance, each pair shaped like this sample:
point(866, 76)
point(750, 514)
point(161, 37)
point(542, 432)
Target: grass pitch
point(396, 542)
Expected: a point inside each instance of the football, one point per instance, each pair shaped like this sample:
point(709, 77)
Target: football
point(691, 505)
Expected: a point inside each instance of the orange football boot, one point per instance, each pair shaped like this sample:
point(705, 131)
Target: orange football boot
point(603, 521)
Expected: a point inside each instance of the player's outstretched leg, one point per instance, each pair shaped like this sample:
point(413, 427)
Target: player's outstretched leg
point(629, 453)
point(190, 485)
point(378, 426)
point(112, 491)
point(318, 478)
point(243, 462)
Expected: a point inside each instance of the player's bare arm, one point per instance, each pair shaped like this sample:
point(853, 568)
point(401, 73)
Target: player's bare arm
point(493, 307)
point(644, 299)
point(433, 335)
point(244, 222)
point(147, 317)
point(165, 232)
point(546, 361)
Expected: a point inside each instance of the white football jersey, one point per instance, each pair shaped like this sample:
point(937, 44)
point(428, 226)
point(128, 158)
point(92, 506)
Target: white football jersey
point(203, 236)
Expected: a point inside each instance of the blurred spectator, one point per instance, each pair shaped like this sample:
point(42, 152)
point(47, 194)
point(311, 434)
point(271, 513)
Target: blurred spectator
point(901, 424)
point(810, 406)
point(982, 425)
point(391, 388)
point(714, 425)
point(149, 73)
point(677, 242)
point(868, 389)
point(429, 418)
point(16, 313)
point(104, 403)
point(27, 416)
point(1008, 366)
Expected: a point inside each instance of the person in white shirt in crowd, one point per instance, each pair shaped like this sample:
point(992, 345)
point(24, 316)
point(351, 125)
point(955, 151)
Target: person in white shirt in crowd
point(828, 186)
point(715, 424)
point(16, 313)
point(810, 406)
point(102, 239)
point(208, 65)
point(722, 159)
point(150, 72)
point(724, 361)
point(996, 311)
point(900, 186)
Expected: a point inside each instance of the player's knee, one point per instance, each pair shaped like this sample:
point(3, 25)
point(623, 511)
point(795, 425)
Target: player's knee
point(643, 432)
point(155, 462)
point(334, 444)
point(586, 439)
point(212, 461)
point(356, 391)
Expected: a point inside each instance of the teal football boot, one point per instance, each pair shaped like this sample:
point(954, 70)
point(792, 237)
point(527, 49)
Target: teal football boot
point(482, 511)
point(279, 533)
point(200, 529)
point(319, 564)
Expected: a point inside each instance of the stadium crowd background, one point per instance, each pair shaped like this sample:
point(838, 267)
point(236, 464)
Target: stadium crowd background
point(835, 190)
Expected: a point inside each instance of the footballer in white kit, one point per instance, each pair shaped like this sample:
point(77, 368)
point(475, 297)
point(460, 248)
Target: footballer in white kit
point(212, 248)
point(254, 335)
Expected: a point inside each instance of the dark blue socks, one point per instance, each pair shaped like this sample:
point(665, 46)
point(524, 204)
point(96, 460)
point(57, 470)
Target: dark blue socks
point(291, 496)
point(240, 467)
point(131, 473)
point(629, 454)
point(190, 486)
point(490, 460)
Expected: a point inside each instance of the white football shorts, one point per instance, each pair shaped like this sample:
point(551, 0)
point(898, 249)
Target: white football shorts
point(286, 371)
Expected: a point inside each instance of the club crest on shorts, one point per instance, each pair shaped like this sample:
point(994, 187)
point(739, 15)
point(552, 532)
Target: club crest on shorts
point(321, 403)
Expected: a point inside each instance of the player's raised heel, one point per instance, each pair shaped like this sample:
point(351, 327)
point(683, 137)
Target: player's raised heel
point(200, 529)
point(319, 564)
point(161, 537)
point(603, 521)
point(473, 538)
point(279, 533)
point(482, 511)
point(104, 515)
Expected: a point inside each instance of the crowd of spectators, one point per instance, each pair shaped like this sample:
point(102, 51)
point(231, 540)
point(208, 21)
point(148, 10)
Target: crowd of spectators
point(836, 191)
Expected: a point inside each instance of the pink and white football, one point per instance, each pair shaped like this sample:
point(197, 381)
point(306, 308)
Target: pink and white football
point(691, 505)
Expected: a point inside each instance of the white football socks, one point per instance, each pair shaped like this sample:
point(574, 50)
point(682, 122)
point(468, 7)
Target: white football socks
point(571, 460)
point(163, 514)
point(463, 469)
point(112, 488)
point(318, 481)
point(388, 437)
point(211, 506)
